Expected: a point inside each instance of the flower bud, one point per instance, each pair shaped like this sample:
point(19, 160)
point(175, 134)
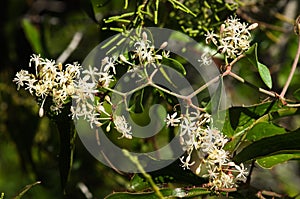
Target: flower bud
point(122, 58)
point(222, 28)
point(163, 45)
point(253, 26)
point(144, 35)
point(41, 112)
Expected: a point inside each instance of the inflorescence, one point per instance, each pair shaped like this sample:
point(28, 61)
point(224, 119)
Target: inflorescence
point(61, 84)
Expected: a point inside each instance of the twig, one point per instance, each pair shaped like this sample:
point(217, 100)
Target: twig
point(148, 177)
point(71, 47)
point(294, 66)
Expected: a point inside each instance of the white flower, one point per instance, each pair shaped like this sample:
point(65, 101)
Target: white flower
point(21, 77)
point(107, 64)
point(187, 127)
point(123, 127)
point(242, 172)
point(233, 39)
point(186, 163)
point(205, 59)
point(172, 120)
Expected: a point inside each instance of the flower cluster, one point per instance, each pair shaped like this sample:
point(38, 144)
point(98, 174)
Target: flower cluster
point(208, 143)
point(87, 105)
point(49, 81)
point(60, 84)
point(234, 37)
point(145, 54)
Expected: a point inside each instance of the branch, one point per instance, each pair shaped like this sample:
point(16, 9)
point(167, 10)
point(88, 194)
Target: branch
point(294, 66)
point(71, 47)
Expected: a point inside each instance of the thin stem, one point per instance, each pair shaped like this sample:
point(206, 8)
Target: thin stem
point(237, 77)
point(215, 79)
point(283, 92)
point(148, 177)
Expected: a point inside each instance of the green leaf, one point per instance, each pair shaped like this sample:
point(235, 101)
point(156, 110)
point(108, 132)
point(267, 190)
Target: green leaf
point(33, 36)
point(240, 120)
point(262, 130)
point(278, 144)
point(263, 70)
point(138, 183)
point(25, 189)
point(269, 162)
point(265, 74)
point(170, 193)
point(173, 63)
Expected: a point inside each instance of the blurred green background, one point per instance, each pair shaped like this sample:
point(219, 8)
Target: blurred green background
point(29, 145)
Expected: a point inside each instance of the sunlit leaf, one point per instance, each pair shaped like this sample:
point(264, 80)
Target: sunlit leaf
point(269, 162)
point(265, 74)
point(263, 70)
point(240, 120)
point(264, 129)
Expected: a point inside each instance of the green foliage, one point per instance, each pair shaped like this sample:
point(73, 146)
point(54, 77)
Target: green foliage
point(34, 148)
point(262, 69)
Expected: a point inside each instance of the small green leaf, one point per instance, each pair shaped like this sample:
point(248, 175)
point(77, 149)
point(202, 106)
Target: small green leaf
point(33, 36)
point(278, 144)
point(263, 70)
point(25, 189)
point(265, 74)
point(269, 162)
point(173, 63)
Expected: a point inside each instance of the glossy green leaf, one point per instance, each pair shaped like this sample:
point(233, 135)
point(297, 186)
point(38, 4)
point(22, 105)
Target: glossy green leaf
point(263, 129)
point(26, 189)
point(241, 119)
point(173, 63)
point(265, 74)
point(168, 193)
point(278, 144)
point(269, 162)
point(263, 70)
point(33, 36)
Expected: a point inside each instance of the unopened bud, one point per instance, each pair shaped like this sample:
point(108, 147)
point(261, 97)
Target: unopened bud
point(163, 45)
point(107, 98)
point(104, 61)
point(122, 58)
point(222, 28)
point(41, 112)
point(198, 170)
point(297, 26)
point(253, 26)
point(108, 127)
point(144, 34)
